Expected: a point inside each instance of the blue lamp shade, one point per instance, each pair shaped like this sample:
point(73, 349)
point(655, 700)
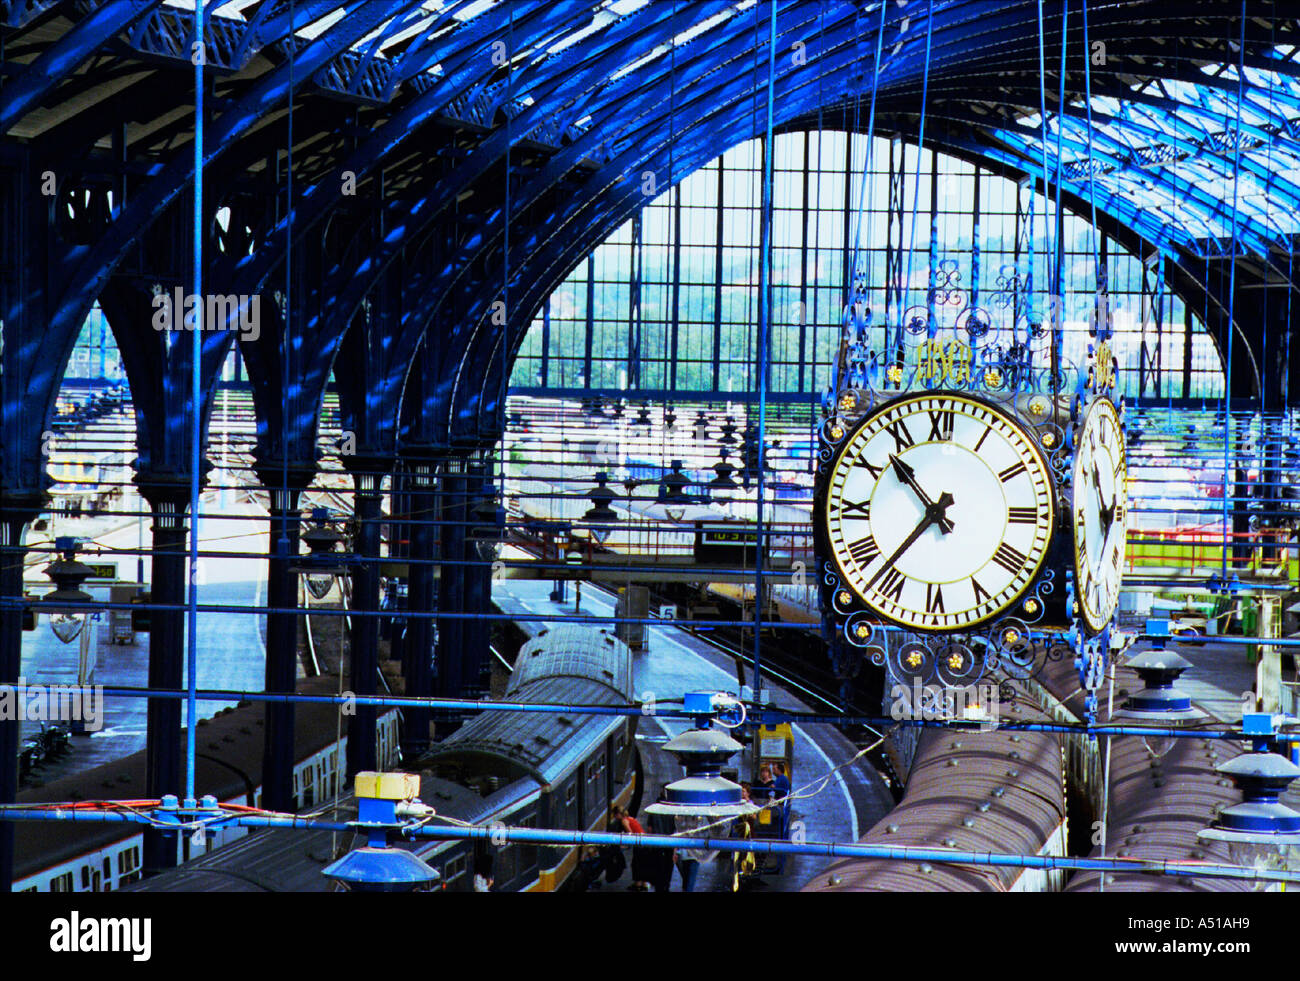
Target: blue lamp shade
point(381, 870)
point(1260, 818)
point(702, 751)
point(1159, 700)
point(716, 796)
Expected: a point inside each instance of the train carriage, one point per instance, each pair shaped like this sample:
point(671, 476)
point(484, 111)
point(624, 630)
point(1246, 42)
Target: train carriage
point(522, 769)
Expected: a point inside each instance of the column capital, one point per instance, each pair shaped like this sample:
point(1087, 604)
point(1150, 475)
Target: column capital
point(278, 473)
point(20, 507)
point(369, 470)
point(169, 489)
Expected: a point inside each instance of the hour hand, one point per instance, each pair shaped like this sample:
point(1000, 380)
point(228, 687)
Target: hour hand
point(908, 476)
point(1105, 512)
point(1095, 474)
point(934, 514)
point(1108, 513)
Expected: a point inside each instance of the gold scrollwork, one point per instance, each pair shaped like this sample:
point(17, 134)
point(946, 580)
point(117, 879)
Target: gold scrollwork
point(944, 361)
point(1103, 367)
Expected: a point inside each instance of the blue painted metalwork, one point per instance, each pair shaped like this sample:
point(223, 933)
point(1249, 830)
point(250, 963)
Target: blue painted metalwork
point(19, 13)
point(552, 73)
point(595, 95)
point(63, 57)
point(88, 268)
point(169, 32)
point(499, 835)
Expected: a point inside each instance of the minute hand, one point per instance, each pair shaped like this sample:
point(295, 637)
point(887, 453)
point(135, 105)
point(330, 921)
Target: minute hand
point(934, 514)
point(908, 476)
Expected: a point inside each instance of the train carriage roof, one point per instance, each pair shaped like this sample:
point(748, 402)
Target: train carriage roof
point(229, 764)
point(568, 665)
point(575, 652)
point(291, 861)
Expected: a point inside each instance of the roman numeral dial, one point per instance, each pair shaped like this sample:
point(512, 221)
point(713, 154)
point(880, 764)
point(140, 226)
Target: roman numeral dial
point(937, 511)
point(1098, 498)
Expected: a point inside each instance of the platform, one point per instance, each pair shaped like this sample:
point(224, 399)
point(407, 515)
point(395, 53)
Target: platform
point(675, 662)
point(231, 645)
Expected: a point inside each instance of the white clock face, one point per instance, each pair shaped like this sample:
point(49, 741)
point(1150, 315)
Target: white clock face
point(939, 511)
point(1100, 530)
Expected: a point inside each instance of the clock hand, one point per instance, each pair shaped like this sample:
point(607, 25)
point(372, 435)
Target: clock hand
point(934, 513)
point(1110, 511)
point(1107, 515)
point(908, 476)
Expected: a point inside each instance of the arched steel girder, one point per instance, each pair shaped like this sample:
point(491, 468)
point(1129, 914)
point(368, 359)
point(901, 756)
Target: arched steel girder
point(541, 181)
point(317, 203)
point(274, 21)
point(570, 240)
point(706, 35)
point(88, 269)
point(1019, 164)
point(158, 371)
point(525, 200)
point(1030, 95)
point(1205, 206)
point(428, 209)
point(488, 368)
point(1124, 167)
point(795, 92)
point(85, 38)
point(1014, 154)
point(703, 58)
point(315, 206)
point(404, 232)
point(96, 32)
point(1186, 272)
point(1263, 177)
point(1151, 108)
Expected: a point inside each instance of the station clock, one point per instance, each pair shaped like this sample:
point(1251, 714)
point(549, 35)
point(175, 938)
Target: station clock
point(1098, 514)
point(938, 510)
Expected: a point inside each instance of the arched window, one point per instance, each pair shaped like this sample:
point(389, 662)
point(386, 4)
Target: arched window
point(668, 302)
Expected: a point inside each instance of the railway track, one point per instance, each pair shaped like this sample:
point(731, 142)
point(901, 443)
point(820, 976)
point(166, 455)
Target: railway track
point(779, 667)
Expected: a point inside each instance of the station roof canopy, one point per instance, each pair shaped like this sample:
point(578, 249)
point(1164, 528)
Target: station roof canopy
point(1175, 124)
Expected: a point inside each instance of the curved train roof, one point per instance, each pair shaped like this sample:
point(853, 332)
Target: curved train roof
point(1162, 792)
point(572, 651)
point(228, 765)
point(569, 665)
point(291, 861)
point(970, 791)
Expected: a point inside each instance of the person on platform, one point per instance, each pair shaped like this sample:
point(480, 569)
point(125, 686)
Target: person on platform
point(483, 880)
point(747, 820)
point(690, 859)
point(612, 855)
point(589, 869)
point(661, 859)
point(781, 782)
point(641, 861)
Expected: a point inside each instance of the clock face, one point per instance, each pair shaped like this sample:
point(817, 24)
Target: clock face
point(938, 511)
point(1100, 532)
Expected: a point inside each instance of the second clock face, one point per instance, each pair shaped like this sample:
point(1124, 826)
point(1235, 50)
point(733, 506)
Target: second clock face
point(939, 511)
point(1100, 538)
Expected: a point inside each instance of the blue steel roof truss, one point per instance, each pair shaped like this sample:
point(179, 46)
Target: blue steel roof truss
point(1158, 158)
